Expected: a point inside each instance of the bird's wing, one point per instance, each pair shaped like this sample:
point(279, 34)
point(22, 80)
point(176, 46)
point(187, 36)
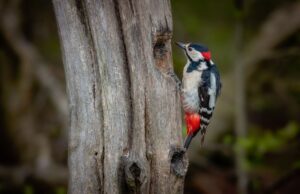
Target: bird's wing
point(203, 89)
point(215, 71)
point(210, 87)
point(208, 92)
point(205, 99)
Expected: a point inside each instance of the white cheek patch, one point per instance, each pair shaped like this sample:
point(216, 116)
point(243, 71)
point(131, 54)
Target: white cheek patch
point(195, 55)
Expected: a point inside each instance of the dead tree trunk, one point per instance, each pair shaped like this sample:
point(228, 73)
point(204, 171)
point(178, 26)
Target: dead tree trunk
point(125, 113)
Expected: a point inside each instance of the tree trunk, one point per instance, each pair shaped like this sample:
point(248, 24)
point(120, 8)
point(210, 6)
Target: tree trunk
point(125, 133)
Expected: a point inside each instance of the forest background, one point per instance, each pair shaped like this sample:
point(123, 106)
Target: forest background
point(254, 135)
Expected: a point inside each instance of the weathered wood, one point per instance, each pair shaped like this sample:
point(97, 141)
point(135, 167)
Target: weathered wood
point(125, 112)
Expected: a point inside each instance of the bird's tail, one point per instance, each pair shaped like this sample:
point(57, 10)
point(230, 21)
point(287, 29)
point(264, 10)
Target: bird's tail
point(188, 140)
point(203, 132)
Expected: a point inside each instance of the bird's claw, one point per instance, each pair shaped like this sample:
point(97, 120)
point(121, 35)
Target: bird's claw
point(176, 80)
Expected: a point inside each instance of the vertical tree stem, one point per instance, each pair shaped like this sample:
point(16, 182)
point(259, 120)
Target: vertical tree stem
point(240, 99)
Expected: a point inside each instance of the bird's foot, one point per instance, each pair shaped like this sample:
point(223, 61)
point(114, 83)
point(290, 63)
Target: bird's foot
point(177, 81)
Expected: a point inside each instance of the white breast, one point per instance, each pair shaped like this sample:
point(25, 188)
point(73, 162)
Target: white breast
point(190, 101)
point(192, 79)
point(190, 96)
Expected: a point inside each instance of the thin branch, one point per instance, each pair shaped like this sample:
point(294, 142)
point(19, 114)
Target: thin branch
point(35, 147)
point(55, 175)
point(276, 54)
point(281, 24)
point(32, 60)
point(241, 129)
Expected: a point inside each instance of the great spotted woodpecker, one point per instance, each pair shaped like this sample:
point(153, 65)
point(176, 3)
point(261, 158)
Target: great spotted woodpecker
point(200, 89)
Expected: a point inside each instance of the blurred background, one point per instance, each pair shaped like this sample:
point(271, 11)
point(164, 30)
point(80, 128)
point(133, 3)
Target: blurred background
point(252, 144)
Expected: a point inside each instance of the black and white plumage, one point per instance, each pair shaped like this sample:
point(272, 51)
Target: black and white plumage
point(209, 90)
point(201, 87)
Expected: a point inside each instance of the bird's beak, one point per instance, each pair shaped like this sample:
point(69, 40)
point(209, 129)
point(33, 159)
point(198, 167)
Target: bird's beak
point(181, 45)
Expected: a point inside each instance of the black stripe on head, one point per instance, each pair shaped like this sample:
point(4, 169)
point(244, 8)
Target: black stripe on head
point(199, 47)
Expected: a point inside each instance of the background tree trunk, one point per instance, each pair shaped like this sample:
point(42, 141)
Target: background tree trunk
point(125, 132)
point(240, 99)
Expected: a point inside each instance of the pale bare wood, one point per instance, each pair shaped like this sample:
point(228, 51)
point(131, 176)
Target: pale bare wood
point(125, 133)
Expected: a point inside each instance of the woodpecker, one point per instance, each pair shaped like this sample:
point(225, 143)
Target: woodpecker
point(200, 89)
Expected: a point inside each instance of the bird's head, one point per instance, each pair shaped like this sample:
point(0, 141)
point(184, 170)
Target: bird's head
point(195, 52)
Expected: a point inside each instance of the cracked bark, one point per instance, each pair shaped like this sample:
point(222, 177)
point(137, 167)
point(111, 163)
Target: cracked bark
point(125, 128)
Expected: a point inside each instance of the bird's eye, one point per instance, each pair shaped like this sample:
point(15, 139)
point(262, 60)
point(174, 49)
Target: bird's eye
point(190, 49)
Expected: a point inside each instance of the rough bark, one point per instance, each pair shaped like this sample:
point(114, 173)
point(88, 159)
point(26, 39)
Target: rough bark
point(125, 133)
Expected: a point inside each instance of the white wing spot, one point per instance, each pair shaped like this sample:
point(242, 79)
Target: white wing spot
point(212, 91)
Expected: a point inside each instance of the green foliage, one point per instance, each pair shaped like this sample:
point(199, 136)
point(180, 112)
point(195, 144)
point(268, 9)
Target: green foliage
point(28, 189)
point(228, 140)
point(261, 142)
point(60, 190)
point(296, 164)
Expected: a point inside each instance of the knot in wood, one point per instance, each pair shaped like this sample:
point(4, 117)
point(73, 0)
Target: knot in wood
point(179, 161)
point(134, 175)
